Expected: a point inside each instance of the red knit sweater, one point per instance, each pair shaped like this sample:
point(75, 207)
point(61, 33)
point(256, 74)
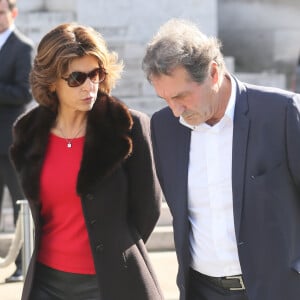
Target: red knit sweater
point(64, 241)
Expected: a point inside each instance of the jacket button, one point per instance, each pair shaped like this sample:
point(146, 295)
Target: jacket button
point(89, 197)
point(93, 222)
point(100, 247)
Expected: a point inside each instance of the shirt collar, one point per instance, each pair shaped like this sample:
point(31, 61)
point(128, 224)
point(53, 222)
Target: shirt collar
point(4, 35)
point(231, 103)
point(229, 112)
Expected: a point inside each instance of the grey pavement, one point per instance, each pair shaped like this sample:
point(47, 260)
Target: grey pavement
point(163, 262)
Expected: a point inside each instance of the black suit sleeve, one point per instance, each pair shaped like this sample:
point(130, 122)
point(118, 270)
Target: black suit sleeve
point(16, 91)
point(293, 138)
point(144, 191)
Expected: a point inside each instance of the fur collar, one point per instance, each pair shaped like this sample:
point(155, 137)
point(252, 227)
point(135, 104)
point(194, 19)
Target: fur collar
point(107, 144)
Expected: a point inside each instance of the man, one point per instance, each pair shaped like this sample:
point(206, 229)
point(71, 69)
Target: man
point(227, 157)
point(16, 53)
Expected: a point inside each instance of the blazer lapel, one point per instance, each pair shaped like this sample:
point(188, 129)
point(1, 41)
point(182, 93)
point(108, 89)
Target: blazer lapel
point(5, 51)
point(239, 149)
point(183, 149)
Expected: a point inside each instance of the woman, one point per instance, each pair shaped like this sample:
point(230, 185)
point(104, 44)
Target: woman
point(86, 168)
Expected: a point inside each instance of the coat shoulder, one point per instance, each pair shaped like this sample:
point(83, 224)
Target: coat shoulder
point(23, 39)
point(32, 120)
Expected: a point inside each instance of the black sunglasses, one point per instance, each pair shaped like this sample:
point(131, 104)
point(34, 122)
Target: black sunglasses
point(78, 78)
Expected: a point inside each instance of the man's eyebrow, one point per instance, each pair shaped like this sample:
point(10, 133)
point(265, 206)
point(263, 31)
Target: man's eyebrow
point(180, 94)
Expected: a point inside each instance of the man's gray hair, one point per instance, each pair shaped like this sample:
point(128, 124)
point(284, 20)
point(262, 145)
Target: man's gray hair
point(181, 43)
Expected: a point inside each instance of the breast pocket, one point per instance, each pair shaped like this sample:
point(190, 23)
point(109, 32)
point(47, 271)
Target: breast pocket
point(262, 175)
point(266, 192)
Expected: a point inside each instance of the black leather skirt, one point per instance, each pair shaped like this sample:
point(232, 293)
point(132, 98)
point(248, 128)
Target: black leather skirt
point(51, 284)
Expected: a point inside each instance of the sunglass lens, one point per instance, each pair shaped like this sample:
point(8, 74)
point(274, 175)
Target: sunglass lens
point(76, 79)
point(95, 75)
point(102, 75)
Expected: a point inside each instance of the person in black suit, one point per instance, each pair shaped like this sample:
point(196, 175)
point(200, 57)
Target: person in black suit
point(227, 158)
point(16, 55)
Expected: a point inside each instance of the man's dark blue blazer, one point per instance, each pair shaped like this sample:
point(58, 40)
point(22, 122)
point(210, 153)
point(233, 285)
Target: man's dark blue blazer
point(265, 184)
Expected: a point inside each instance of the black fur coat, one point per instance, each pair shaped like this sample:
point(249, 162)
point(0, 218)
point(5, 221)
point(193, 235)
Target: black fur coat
point(119, 192)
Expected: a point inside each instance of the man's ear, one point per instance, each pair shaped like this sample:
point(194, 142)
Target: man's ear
point(214, 72)
point(14, 12)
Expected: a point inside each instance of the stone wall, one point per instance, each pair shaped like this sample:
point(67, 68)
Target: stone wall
point(126, 25)
point(262, 35)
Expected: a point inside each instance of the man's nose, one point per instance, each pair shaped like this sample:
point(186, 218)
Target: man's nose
point(176, 108)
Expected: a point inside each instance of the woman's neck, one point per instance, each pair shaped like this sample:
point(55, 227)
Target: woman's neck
point(70, 125)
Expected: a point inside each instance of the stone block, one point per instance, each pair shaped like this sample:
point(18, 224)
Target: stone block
point(58, 5)
point(148, 89)
point(7, 221)
point(165, 218)
point(230, 63)
point(264, 79)
point(32, 5)
point(281, 51)
point(147, 105)
point(161, 239)
point(6, 218)
point(36, 24)
point(5, 242)
point(265, 38)
point(139, 22)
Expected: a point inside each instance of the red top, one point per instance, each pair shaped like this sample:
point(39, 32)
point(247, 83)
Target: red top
point(64, 241)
